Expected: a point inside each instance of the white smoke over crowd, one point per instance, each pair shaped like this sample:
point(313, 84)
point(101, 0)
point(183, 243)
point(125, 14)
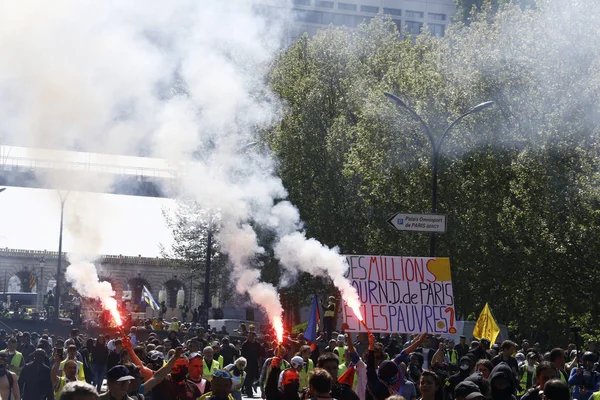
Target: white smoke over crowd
point(181, 80)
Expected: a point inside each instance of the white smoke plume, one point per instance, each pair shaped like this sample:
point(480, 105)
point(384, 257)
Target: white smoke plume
point(180, 80)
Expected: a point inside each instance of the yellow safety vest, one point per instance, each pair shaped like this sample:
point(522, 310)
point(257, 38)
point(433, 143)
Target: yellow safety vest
point(207, 372)
point(341, 350)
point(453, 356)
point(328, 312)
point(59, 388)
point(596, 396)
point(16, 361)
point(220, 359)
point(524, 375)
point(80, 373)
point(306, 369)
point(175, 326)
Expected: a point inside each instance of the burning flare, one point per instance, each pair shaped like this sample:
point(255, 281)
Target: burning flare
point(111, 305)
point(278, 326)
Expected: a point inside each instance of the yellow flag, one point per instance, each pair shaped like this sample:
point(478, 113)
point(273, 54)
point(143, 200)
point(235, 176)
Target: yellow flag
point(486, 327)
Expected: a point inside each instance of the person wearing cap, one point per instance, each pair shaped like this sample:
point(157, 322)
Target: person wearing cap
point(117, 381)
point(307, 365)
point(58, 379)
point(217, 353)
point(329, 316)
point(210, 364)
point(34, 381)
point(26, 348)
point(462, 348)
point(221, 386)
point(340, 346)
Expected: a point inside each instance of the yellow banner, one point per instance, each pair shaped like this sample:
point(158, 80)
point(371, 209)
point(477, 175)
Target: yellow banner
point(486, 327)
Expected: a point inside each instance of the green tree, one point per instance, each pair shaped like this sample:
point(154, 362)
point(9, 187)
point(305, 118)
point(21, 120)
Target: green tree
point(519, 183)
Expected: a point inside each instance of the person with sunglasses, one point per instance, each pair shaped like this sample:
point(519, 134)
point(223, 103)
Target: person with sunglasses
point(195, 371)
point(221, 384)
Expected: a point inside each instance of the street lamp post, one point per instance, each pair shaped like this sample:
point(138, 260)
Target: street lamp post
point(60, 241)
point(209, 235)
point(435, 146)
point(40, 286)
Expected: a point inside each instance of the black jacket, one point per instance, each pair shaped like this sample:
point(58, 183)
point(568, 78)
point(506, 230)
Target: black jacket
point(502, 371)
point(35, 382)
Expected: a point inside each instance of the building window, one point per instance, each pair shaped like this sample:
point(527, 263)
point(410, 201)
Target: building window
point(437, 17)
point(369, 9)
point(437, 29)
point(413, 27)
point(324, 4)
point(414, 14)
point(346, 6)
point(392, 11)
point(302, 2)
point(351, 21)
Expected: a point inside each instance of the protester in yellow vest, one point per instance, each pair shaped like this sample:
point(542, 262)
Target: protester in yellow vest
point(329, 316)
point(343, 367)
point(59, 381)
point(527, 375)
point(340, 348)
point(210, 365)
point(71, 353)
point(15, 358)
point(238, 376)
point(558, 360)
point(217, 356)
point(221, 386)
point(307, 366)
point(174, 325)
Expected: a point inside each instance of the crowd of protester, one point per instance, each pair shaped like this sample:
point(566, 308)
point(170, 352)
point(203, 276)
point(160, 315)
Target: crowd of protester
point(204, 365)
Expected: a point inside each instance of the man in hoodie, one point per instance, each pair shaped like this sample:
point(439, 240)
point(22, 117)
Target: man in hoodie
point(290, 380)
point(502, 383)
point(465, 369)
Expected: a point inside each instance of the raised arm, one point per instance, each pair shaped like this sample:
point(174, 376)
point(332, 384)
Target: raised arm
point(146, 372)
point(162, 373)
point(55, 373)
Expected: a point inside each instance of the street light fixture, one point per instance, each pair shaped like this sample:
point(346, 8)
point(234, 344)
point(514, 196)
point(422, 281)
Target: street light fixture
point(435, 145)
point(60, 242)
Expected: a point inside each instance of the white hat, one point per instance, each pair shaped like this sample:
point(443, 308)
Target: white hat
point(296, 362)
point(341, 338)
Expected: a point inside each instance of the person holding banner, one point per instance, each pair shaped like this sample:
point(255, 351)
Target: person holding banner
point(329, 317)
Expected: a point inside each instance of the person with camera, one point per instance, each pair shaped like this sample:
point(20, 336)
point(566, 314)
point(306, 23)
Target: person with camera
point(585, 380)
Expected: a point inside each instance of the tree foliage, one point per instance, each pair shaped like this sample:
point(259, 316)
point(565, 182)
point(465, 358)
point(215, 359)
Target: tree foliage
point(189, 224)
point(519, 182)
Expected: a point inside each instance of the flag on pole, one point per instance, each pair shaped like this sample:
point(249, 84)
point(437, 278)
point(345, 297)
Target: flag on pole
point(32, 279)
point(486, 326)
point(313, 323)
point(348, 376)
point(149, 299)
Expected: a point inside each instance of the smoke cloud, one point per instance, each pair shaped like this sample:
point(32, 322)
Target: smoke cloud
point(180, 80)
